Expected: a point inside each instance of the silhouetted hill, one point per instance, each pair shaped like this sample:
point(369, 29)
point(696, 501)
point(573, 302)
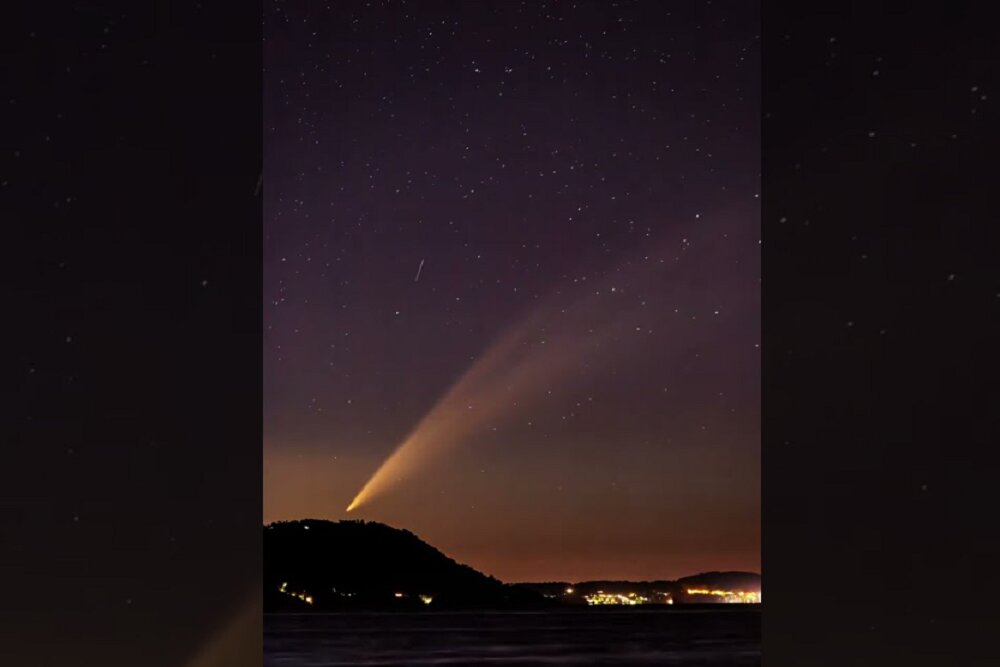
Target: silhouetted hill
point(324, 565)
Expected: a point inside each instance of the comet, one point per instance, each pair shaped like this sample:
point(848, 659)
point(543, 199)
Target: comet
point(570, 332)
point(514, 372)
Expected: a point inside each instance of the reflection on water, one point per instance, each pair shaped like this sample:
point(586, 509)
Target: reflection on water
point(582, 637)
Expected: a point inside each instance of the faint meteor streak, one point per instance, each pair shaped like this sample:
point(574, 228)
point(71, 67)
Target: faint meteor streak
point(419, 269)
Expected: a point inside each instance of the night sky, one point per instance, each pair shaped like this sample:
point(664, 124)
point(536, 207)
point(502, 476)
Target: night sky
point(519, 245)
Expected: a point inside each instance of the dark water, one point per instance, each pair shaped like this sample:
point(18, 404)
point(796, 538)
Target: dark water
point(725, 636)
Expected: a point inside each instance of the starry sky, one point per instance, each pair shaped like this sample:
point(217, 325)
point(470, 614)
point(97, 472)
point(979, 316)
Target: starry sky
point(518, 244)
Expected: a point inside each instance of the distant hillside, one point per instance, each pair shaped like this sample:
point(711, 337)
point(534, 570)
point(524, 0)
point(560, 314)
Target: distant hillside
point(657, 591)
point(723, 580)
point(324, 565)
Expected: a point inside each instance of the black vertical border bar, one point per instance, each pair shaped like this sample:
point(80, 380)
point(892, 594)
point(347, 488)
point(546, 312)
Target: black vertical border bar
point(130, 493)
point(881, 312)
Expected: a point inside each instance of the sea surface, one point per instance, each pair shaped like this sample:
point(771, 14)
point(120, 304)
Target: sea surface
point(720, 636)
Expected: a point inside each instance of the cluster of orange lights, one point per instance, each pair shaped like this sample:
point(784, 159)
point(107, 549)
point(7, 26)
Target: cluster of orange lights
point(602, 598)
point(749, 597)
point(305, 597)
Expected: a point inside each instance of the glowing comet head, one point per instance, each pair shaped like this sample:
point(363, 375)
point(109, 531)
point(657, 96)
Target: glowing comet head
point(358, 499)
point(402, 461)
